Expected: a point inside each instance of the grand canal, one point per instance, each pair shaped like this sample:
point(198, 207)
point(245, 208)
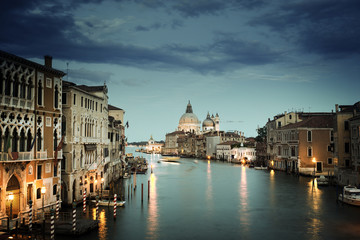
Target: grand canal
point(200, 199)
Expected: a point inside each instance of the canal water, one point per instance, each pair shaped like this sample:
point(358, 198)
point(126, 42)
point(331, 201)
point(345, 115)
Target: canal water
point(200, 199)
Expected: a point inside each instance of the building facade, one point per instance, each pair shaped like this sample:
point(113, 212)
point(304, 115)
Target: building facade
point(30, 135)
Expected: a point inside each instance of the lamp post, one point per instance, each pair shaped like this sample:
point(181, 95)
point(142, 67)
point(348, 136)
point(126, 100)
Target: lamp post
point(11, 198)
point(314, 161)
point(43, 190)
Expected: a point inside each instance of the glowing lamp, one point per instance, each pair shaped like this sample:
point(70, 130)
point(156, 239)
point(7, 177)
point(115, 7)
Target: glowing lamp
point(43, 190)
point(11, 196)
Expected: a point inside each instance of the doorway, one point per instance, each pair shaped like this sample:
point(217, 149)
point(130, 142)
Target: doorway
point(13, 197)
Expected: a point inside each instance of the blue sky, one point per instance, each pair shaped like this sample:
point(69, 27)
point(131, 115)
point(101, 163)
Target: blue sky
point(246, 60)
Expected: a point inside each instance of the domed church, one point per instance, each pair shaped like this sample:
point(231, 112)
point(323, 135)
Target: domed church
point(189, 121)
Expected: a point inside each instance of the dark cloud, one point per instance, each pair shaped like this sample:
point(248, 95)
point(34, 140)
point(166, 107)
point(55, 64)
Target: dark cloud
point(327, 27)
point(87, 77)
point(154, 26)
point(33, 30)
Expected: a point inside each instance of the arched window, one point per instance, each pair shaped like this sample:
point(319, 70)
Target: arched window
point(14, 144)
point(39, 93)
point(63, 162)
point(22, 140)
point(29, 87)
point(7, 84)
point(16, 86)
point(38, 140)
point(22, 87)
point(56, 100)
point(29, 141)
point(63, 125)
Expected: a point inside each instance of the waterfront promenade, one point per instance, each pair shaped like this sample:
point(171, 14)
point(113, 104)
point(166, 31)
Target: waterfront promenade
point(200, 199)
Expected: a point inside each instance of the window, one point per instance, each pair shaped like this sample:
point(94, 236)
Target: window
point(82, 101)
point(55, 189)
point(332, 136)
point(85, 102)
point(309, 136)
point(39, 102)
point(290, 116)
point(310, 152)
point(38, 193)
point(30, 170)
point(347, 147)
point(64, 100)
point(346, 125)
point(330, 161)
point(48, 121)
point(55, 170)
point(96, 106)
point(56, 97)
point(279, 124)
point(74, 99)
point(39, 169)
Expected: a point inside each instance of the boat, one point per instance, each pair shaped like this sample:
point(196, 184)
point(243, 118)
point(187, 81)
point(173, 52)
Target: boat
point(109, 203)
point(322, 181)
point(171, 158)
point(350, 195)
point(261, 168)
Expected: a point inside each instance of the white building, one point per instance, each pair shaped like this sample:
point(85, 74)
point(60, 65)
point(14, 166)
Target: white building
point(243, 153)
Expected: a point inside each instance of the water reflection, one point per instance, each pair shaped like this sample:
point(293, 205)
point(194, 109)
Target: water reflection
point(209, 191)
point(243, 208)
point(153, 215)
point(272, 198)
point(314, 203)
point(103, 229)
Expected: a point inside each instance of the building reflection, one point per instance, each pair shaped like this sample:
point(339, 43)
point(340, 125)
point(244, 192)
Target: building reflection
point(244, 202)
point(153, 214)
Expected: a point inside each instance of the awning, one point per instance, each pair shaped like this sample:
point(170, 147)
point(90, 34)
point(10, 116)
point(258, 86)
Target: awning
point(90, 147)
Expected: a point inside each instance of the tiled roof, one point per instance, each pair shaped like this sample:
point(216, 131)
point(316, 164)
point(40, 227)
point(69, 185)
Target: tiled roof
point(111, 107)
point(325, 121)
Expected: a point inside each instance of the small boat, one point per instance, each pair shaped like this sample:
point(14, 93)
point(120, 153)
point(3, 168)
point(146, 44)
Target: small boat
point(322, 181)
point(109, 203)
point(261, 168)
point(171, 158)
point(350, 195)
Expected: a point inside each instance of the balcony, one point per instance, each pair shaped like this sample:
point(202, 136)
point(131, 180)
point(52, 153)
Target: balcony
point(23, 156)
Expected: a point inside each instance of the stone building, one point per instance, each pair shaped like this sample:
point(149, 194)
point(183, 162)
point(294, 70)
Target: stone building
point(86, 155)
point(30, 135)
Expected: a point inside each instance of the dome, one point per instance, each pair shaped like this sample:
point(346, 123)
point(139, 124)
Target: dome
point(189, 121)
point(208, 122)
point(188, 118)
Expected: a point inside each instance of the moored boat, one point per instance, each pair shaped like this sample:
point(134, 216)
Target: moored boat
point(109, 203)
point(322, 181)
point(350, 195)
point(261, 168)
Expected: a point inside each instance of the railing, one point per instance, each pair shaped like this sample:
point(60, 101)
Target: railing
point(22, 156)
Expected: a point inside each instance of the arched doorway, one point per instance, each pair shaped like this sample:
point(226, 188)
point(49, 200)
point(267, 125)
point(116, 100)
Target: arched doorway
point(13, 191)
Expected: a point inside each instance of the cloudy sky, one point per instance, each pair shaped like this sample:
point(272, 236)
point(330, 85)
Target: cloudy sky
point(246, 60)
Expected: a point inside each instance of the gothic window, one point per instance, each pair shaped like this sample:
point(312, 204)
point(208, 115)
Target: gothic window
point(14, 144)
point(63, 162)
point(22, 87)
point(29, 86)
point(38, 140)
point(55, 189)
point(56, 97)
point(309, 136)
point(63, 125)
point(16, 86)
point(22, 140)
point(40, 93)
point(7, 84)
point(28, 141)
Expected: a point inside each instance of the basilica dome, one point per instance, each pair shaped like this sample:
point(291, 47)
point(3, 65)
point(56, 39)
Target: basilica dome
point(188, 121)
point(208, 122)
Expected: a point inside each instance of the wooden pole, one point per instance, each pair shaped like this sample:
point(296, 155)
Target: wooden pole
point(74, 217)
point(115, 206)
point(142, 192)
point(148, 189)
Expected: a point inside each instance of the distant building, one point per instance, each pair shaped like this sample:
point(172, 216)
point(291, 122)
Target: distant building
point(154, 147)
point(246, 154)
point(223, 151)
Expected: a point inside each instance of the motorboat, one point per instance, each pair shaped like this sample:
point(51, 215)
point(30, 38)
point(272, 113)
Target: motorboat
point(261, 168)
point(109, 203)
point(322, 181)
point(350, 195)
point(171, 158)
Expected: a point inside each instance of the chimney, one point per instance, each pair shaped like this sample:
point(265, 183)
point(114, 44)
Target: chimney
point(48, 61)
point(336, 107)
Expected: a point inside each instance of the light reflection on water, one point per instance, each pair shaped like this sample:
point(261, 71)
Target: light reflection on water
point(152, 226)
point(209, 191)
point(314, 202)
point(244, 202)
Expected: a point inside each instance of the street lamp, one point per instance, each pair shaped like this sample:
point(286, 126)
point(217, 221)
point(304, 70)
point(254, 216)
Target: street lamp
point(314, 161)
point(11, 198)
